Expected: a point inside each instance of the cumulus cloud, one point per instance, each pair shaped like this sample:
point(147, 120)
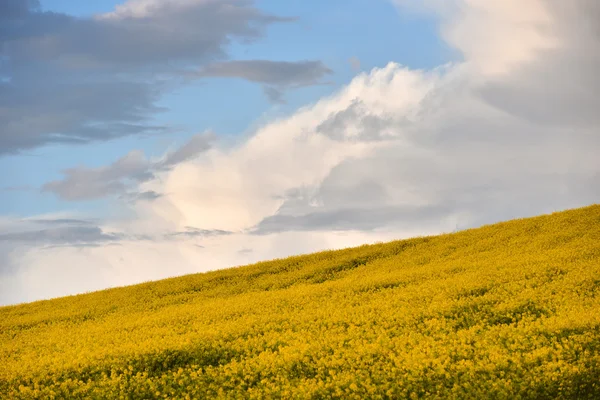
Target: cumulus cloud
point(249, 181)
point(451, 142)
point(507, 132)
point(494, 36)
point(535, 59)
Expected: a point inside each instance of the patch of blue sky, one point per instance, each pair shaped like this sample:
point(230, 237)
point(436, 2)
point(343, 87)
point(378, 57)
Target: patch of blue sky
point(335, 30)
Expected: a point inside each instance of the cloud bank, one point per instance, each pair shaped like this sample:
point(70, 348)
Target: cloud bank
point(509, 131)
point(69, 80)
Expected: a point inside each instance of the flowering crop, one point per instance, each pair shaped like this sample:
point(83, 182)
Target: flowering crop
point(505, 311)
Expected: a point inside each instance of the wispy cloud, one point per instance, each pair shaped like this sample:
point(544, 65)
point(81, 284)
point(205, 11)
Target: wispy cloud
point(355, 63)
point(276, 76)
point(72, 235)
point(83, 183)
point(191, 232)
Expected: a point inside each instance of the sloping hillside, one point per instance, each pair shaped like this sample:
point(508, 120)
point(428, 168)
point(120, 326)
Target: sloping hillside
point(506, 310)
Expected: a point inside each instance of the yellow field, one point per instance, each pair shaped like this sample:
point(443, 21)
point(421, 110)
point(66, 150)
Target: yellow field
point(510, 310)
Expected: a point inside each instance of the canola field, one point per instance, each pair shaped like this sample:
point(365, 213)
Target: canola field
point(506, 311)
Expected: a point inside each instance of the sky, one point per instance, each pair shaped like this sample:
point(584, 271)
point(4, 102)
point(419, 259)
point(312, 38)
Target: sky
point(145, 139)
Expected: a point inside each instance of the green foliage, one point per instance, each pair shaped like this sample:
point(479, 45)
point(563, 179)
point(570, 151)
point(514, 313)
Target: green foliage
point(506, 311)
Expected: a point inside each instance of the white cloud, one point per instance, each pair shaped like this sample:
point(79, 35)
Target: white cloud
point(236, 189)
point(497, 36)
point(494, 36)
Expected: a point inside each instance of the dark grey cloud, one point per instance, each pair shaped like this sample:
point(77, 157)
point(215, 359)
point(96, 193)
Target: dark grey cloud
point(40, 109)
point(76, 80)
point(163, 34)
point(84, 183)
point(277, 76)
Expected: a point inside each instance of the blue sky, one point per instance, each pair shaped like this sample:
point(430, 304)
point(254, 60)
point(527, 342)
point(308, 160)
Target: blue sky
point(141, 139)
